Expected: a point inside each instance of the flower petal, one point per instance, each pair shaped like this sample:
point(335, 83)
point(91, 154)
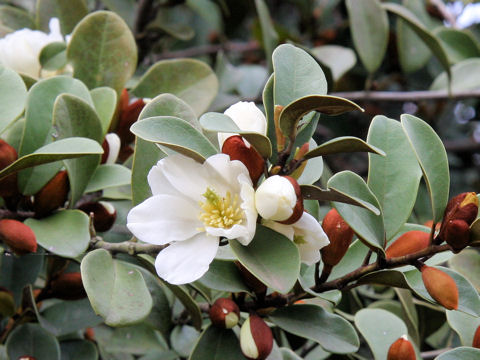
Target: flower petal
point(164, 218)
point(186, 261)
point(314, 238)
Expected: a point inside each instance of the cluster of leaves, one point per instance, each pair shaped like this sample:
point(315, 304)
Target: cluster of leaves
point(60, 123)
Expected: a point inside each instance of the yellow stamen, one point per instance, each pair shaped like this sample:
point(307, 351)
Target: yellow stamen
point(299, 239)
point(220, 212)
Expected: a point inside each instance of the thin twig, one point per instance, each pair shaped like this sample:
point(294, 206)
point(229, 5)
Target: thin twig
point(433, 353)
point(127, 247)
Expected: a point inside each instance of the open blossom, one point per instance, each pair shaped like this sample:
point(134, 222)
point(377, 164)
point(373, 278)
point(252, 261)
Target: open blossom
point(306, 233)
point(20, 50)
point(247, 117)
point(192, 206)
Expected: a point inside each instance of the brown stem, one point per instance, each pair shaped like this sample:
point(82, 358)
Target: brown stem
point(127, 247)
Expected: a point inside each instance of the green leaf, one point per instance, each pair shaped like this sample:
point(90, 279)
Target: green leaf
point(108, 176)
point(338, 58)
point(271, 257)
point(313, 192)
point(297, 75)
point(53, 56)
point(467, 263)
point(59, 150)
point(394, 179)
point(74, 117)
point(191, 80)
point(268, 103)
point(15, 18)
point(370, 37)
point(217, 344)
point(367, 225)
point(103, 51)
point(343, 144)
point(380, 328)
point(116, 291)
point(13, 95)
point(413, 53)
point(69, 13)
point(78, 350)
point(464, 325)
point(423, 33)
point(183, 339)
point(188, 302)
point(294, 111)
point(31, 339)
point(105, 102)
point(269, 35)
point(432, 157)
point(462, 79)
point(224, 276)
point(462, 353)
point(135, 339)
point(176, 134)
point(65, 233)
point(125, 8)
point(332, 332)
point(164, 22)
point(459, 45)
point(223, 123)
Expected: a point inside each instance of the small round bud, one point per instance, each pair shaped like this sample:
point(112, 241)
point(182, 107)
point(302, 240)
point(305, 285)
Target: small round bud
point(279, 198)
point(52, 196)
point(224, 313)
point(68, 286)
point(256, 339)
point(18, 236)
point(340, 235)
point(441, 287)
point(104, 214)
point(111, 148)
point(401, 349)
point(408, 243)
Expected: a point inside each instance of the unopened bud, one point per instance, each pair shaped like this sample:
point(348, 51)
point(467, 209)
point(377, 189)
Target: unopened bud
point(224, 313)
point(104, 214)
point(8, 185)
point(340, 235)
point(18, 236)
point(476, 339)
point(128, 115)
point(401, 349)
point(457, 234)
point(235, 147)
point(52, 196)
point(89, 334)
point(111, 148)
point(256, 339)
point(279, 198)
point(441, 287)
point(68, 286)
point(408, 243)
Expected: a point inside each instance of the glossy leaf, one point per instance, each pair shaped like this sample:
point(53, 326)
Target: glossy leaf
point(343, 144)
point(467, 263)
point(463, 353)
point(432, 157)
point(367, 225)
point(459, 45)
point(394, 179)
point(58, 150)
point(223, 123)
point(462, 79)
point(176, 134)
point(271, 257)
point(69, 13)
point(338, 58)
point(103, 51)
point(65, 233)
point(116, 291)
point(53, 56)
point(13, 95)
point(269, 35)
point(464, 325)
point(31, 339)
point(370, 37)
point(331, 331)
point(224, 276)
point(107, 176)
point(380, 328)
point(294, 111)
point(105, 102)
point(217, 344)
point(190, 80)
point(78, 350)
point(297, 75)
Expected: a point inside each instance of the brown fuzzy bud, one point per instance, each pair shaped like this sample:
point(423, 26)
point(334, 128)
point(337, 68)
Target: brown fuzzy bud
point(129, 113)
point(68, 286)
point(408, 243)
point(104, 214)
point(8, 185)
point(340, 235)
point(224, 313)
point(18, 236)
point(89, 334)
point(256, 339)
point(457, 234)
point(441, 287)
point(476, 339)
point(401, 349)
point(52, 196)
point(235, 147)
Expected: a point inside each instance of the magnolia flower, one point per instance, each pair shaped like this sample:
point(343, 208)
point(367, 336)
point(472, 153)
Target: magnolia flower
point(306, 233)
point(247, 117)
point(192, 207)
point(20, 50)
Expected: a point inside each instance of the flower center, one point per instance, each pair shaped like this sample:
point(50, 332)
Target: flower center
point(299, 239)
point(220, 212)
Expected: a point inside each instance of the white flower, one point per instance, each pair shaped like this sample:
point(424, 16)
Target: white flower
point(192, 206)
point(20, 50)
point(275, 198)
point(248, 117)
point(306, 233)
point(113, 147)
